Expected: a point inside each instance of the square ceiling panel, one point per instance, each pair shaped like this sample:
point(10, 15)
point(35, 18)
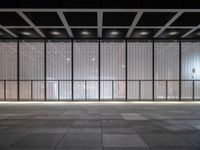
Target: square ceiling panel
point(118, 18)
point(187, 19)
point(85, 33)
point(44, 18)
point(155, 18)
point(195, 34)
point(144, 33)
point(11, 19)
point(55, 33)
point(114, 33)
point(4, 34)
point(173, 33)
point(81, 18)
point(25, 33)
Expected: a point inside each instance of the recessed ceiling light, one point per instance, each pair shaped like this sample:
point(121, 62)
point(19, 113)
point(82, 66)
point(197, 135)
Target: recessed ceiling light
point(198, 33)
point(68, 59)
point(173, 33)
point(55, 32)
point(123, 66)
point(144, 33)
point(114, 33)
point(85, 32)
point(93, 59)
point(26, 33)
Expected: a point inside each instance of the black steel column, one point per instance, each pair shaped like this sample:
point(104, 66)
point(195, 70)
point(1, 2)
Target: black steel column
point(126, 71)
point(45, 70)
point(72, 69)
point(18, 70)
point(166, 90)
point(193, 89)
point(153, 70)
point(58, 90)
point(99, 65)
point(180, 70)
point(4, 89)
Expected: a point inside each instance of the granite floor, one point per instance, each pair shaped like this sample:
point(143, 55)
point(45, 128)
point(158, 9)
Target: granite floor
point(99, 126)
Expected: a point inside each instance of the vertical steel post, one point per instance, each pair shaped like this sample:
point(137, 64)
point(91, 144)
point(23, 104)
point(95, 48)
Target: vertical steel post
point(45, 71)
point(126, 71)
point(179, 70)
point(153, 70)
point(72, 69)
point(18, 70)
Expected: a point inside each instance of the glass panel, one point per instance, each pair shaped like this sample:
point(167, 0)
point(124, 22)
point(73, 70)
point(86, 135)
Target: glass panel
point(79, 90)
point(38, 90)
point(58, 60)
point(52, 90)
point(173, 90)
point(139, 55)
point(166, 60)
point(11, 90)
point(160, 90)
point(106, 90)
point(190, 57)
point(186, 90)
point(112, 60)
point(92, 90)
point(65, 90)
point(31, 60)
point(197, 89)
point(1, 90)
point(146, 90)
point(133, 90)
point(86, 60)
point(8, 60)
point(119, 90)
point(25, 90)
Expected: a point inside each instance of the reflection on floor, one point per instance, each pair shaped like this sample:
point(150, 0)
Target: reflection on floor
point(99, 126)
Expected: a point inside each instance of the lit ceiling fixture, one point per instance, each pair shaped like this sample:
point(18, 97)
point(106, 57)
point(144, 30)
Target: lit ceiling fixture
point(114, 33)
point(123, 66)
point(173, 33)
point(85, 32)
point(198, 33)
point(68, 59)
point(93, 59)
point(144, 33)
point(55, 33)
point(26, 33)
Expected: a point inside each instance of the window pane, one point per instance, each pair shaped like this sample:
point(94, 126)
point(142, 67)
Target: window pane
point(52, 90)
point(160, 90)
point(31, 60)
point(133, 90)
point(186, 90)
point(173, 90)
point(166, 60)
point(112, 60)
point(106, 90)
point(8, 60)
point(11, 90)
point(86, 60)
point(65, 90)
point(92, 90)
point(58, 60)
point(190, 57)
point(79, 90)
point(146, 90)
point(139, 55)
point(197, 89)
point(38, 90)
point(25, 90)
point(119, 90)
point(1, 90)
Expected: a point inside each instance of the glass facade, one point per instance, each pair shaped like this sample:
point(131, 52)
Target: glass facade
point(132, 70)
